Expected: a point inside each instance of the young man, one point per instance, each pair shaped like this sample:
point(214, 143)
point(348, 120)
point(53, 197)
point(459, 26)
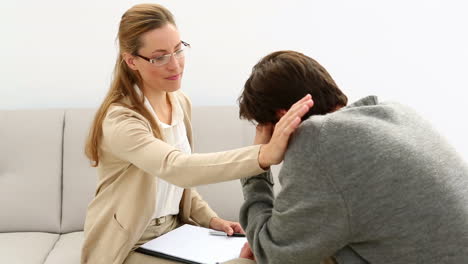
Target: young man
point(370, 182)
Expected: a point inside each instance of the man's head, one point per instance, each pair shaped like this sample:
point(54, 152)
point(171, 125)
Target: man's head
point(282, 78)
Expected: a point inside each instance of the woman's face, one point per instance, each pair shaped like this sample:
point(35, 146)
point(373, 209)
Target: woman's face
point(156, 43)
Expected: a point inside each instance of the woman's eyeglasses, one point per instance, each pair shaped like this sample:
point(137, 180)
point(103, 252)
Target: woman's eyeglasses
point(164, 59)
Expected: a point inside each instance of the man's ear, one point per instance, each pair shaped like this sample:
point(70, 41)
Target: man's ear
point(130, 60)
point(280, 113)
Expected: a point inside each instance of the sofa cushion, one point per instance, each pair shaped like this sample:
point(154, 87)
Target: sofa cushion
point(67, 249)
point(30, 170)
point(26, 247)
point(79, 178)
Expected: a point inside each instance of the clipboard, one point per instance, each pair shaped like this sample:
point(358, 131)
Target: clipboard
point(164, 256)
point(193, 245)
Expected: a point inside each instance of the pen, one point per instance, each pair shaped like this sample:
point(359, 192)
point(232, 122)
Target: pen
point(220, 233)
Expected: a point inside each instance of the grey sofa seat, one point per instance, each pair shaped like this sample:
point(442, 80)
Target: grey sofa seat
point(46, 182)
point(26, 247)
point(66, 249)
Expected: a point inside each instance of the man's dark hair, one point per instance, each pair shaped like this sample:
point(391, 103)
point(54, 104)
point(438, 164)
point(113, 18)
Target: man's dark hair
point(282, 78)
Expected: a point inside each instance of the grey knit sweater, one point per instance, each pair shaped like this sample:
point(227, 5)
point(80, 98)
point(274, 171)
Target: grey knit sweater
point(370, 183)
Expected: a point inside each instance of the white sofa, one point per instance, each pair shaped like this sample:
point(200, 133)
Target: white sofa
point(46, 182)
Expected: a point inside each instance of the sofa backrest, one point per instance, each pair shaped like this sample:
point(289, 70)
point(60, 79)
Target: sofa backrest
point(46, 182)
point(218, 128)
point(79, 178)
point(30, 170)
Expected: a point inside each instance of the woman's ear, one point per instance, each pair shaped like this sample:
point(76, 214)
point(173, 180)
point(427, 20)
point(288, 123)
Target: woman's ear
point(130, 61)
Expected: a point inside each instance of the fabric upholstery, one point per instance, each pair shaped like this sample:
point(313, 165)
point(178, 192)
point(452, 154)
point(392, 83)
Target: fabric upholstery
point(30, 170)
point(67, 250)
point(79, 178)
point(26, 247)
point(218, 128)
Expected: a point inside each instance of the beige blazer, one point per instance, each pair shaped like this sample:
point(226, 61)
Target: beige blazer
point(131, 161)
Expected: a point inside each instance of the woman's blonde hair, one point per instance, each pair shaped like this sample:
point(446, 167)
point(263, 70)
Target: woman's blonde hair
point(134, 23)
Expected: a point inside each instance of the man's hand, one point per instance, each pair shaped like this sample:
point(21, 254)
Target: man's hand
point(273, 152)
point(246, 252)
point(228, 227)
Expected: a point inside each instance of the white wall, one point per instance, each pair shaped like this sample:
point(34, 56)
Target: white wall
point(61, 53)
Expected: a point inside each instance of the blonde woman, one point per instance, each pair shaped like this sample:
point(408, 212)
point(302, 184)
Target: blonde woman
point(141, 143)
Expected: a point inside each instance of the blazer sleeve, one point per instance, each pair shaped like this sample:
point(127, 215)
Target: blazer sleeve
point(200, 211)
point(128, 136)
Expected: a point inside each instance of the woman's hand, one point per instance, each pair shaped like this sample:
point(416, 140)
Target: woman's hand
point(272, 152)
point(246, 252)
point(228, 227)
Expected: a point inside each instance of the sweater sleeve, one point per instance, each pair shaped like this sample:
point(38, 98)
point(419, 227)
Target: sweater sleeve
point(308, 220)
point(129, 138)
